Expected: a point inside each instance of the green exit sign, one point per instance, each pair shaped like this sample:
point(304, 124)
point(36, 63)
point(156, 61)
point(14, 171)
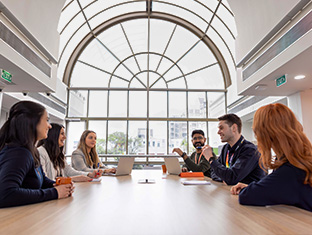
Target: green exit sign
point(6, 75)
point(281, 80)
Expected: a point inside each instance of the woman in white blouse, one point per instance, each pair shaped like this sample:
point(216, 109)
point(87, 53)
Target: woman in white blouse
point(53, 160)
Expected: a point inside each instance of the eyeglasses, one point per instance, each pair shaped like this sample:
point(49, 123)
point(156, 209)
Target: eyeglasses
point(198, 138)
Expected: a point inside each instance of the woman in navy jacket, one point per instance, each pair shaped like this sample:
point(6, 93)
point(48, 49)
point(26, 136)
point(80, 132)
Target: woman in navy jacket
point(22, 180)
point(290, 183)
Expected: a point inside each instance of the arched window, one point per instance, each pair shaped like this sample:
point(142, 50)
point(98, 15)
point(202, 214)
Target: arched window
point(143, 80)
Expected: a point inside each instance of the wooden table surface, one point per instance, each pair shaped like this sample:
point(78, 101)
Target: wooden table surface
point(120, 205)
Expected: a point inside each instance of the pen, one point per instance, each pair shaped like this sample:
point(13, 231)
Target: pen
point(98, 167)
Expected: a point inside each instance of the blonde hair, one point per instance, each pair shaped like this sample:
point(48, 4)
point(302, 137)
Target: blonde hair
point(277, 128)
point(92, 158)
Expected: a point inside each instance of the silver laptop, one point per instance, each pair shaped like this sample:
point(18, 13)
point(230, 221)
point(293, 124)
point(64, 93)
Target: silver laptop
point(173, 165)
point(124, 167)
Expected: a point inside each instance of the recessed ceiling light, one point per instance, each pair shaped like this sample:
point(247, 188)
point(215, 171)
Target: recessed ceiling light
point(299, 77)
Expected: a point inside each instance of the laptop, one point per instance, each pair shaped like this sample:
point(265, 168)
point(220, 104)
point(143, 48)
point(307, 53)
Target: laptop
point(124, 166)
point(173, 165)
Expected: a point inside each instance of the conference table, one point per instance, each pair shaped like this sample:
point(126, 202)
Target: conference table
point(122, 205)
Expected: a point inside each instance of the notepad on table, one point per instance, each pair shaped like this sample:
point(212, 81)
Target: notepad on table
point(96, 180)
point(195, 182)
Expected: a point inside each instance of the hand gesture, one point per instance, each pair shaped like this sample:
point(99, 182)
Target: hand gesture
point(207, 152)
point(235, 190)
point(178, 151)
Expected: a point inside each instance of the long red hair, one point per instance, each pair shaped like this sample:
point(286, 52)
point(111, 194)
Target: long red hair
point(277, 128)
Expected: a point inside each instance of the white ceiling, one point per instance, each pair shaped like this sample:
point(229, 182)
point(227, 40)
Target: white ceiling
point(301, 64)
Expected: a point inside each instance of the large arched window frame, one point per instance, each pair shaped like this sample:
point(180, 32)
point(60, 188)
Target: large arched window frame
point(186, 121)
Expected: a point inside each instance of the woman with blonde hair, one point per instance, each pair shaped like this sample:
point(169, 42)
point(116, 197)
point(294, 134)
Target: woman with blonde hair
point(52, 158)
point(85, 157)
point(276, 128)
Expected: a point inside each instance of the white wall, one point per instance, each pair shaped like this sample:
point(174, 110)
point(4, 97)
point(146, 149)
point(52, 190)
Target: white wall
point(306, 98)
point(41, 18)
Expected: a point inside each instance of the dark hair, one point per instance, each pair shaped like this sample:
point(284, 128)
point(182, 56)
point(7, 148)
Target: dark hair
point(198, 132)
point(231, 119)
point(21, 127)
point(51, 144)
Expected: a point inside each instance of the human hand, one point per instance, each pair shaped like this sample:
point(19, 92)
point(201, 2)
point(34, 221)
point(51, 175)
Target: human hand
point(64, 190)
point(81, 178)
point(207, 152)
point(184, 169)
point(178, 151)
point(110, 170)
point(95, 173)
point(235, 190)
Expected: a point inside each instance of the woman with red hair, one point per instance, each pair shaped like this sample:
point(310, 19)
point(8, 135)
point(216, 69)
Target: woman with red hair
point(276, 128)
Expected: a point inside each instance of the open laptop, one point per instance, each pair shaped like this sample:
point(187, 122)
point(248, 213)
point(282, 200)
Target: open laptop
point(173, 165)
point(124, 166)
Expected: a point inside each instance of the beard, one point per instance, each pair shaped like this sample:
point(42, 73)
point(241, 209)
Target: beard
point(196, 144)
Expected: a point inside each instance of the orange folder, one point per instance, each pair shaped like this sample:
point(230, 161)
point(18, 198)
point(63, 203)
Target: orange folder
point(191, 174)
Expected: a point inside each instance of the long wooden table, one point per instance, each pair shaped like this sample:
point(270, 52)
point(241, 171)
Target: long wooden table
point(120, 205)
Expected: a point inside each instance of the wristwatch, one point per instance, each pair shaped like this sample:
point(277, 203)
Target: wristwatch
point(183, 154)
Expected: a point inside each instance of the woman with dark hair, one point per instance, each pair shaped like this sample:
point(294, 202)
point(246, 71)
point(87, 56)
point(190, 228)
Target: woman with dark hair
point(53, 159)
point(276, 128)
point(22, 180)
point(85, 157)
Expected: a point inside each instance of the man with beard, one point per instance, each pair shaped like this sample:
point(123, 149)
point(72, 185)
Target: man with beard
point(196, 162)
point(238, 161)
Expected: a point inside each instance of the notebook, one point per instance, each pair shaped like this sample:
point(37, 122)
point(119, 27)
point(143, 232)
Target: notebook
point(124, 166)
point(173, 165)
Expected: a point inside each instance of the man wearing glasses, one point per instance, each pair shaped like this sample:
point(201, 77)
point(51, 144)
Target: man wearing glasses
point(196, 162)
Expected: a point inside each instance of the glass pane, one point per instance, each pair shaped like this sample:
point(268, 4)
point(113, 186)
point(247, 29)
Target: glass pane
point(117, 104)
point(78, 101)
point(157, 138)
point(74, 131)
point(216, 104)
point(100, 128)
point(179, 47)
point(87, 76)
point(214, 139)
point(157, 104)
point(177, 104)
point(159, 41)
point(156, 81)
point(185, 13)
point(209, 78)
point(197, 104)
point(137, 138)
point(67, 14)
point(136, 31)
point(199, 57)
point(196, 126)
point(98, 104)
point(227, 18)
point(178, 136)
point(65, 54)
point(131, 6)
point(137, 104)
point(116, 137)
